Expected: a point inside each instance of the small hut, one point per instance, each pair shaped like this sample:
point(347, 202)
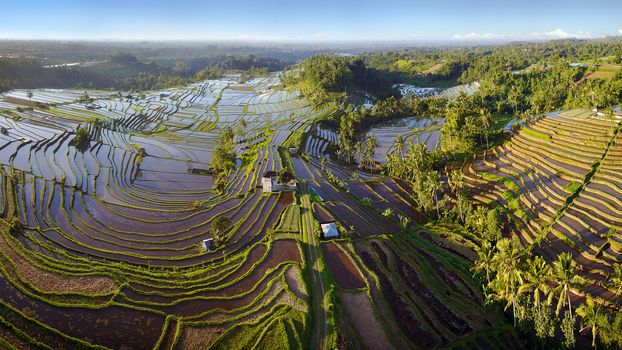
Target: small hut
point(327, 222)
point(268, 181)
point(208, 244)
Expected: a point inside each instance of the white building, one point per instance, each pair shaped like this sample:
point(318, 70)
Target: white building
point(268, 181)
point(327, 222)
point(208, 244)
point(329, 229)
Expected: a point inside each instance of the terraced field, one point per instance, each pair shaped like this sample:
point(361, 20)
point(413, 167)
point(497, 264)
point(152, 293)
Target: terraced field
point(409, 292)
point(109, 254)
point(105, 247)
point(392, 287)
point(558, 181)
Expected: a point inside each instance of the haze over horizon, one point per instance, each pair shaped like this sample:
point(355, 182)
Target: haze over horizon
point(315, 22)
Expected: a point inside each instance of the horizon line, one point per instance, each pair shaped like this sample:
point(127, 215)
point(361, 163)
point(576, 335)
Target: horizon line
point(315, 42)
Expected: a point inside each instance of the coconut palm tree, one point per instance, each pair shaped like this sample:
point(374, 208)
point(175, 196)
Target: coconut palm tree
point(358, 149)
point(514, 96)
point(370, 148)
point(508, 263)
point(502, 289)
point(399, 145)
point(591, 315)
point(565, 277)
point(347, 150)
point(537, 277)
point(456, 181)
point(616, 280)
point(484, 262)
point(485, 119)
point(435, 184)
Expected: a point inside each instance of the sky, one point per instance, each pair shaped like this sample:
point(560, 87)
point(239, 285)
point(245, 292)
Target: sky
point(310, 20)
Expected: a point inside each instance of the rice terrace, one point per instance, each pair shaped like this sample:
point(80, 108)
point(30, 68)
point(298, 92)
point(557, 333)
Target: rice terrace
point(335, 185)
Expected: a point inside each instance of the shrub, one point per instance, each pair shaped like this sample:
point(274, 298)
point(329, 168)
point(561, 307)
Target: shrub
point(16, 226)
point(82, 140)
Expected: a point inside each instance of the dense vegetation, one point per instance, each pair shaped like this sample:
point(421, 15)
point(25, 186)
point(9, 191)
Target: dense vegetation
point(320, 76)
point(446, 244)
point(520, 82)
point(123, 71)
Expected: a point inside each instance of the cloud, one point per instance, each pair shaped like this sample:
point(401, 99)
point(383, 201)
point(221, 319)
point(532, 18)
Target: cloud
point(560, 34)
point(477, 36)
point(258, 37)
point(319, 35)
point(620, 31)
point(553, 34)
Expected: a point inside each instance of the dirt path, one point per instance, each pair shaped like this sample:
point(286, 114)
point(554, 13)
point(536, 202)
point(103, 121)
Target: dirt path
point(320, 329)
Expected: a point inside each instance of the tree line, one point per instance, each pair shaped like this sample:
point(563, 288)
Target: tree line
point(122, 71)
point(537, 290)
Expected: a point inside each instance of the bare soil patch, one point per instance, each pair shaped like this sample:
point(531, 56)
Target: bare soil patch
point(51, 282)
point(408, 323)
point(360, 313)
point(345, 273)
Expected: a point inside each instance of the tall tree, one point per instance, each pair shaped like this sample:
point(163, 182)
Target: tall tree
point(537, 278)
point(358, 149)
point(399, 145)
point(565, 277)
point(484, 116)
point(508, 263)
point(591, 315)
point(370, 148)
point(616, 280)
point(484, 261)
point(435, 185)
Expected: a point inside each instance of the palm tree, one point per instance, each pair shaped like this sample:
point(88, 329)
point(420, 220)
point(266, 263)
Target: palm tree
point(399, 145)
point(435, 184)
point(358, 149)
point(508, 265)
point(422, 192)
point(463, 204)
point(370, 148)
point(616, 281)
point(456, 181)
point(485, 119)
point(514, 96)
point(347, 151)
point(404, 221)
point(591, 316)
point(484, 262)
point(537, 276)
point(565, 276)
point(503, 290)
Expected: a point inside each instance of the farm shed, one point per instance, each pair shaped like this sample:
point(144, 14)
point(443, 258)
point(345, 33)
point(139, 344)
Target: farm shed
point(329, 229)
point(268, 181)
point(327, 222)
point(208, 244)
